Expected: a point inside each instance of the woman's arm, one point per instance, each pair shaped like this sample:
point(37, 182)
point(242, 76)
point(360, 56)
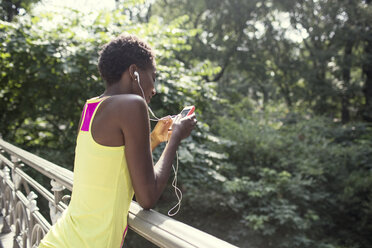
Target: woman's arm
point(149, 181)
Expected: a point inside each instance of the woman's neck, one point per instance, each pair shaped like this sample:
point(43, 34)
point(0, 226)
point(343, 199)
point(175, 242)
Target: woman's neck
point(117, 89)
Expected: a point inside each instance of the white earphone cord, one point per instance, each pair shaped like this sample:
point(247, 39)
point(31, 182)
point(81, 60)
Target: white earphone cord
point(177, 191)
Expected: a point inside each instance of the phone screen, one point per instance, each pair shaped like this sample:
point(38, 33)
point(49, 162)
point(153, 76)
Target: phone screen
point(185, 112)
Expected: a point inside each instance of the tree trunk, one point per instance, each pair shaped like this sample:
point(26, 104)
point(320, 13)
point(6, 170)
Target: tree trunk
point(367, 90)
point(345, 115)
point(367, 70)
point(8, 10)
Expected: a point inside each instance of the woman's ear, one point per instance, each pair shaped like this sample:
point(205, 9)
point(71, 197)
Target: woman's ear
point(132, 69)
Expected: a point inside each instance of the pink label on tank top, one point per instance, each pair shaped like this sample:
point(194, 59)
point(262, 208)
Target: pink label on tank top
point(89, 110)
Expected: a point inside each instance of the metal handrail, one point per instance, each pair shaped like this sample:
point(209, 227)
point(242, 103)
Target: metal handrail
point(155, 227)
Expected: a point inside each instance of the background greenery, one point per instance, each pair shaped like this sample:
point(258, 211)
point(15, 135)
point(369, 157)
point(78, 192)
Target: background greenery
point(282, 156)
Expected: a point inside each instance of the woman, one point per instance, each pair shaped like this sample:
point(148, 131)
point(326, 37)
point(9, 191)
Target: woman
point(113, 157)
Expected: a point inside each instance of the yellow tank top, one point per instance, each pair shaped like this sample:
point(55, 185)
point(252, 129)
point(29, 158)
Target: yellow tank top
point(101, 194)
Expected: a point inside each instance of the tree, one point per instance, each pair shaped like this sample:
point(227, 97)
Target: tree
point(49, 71)
point(332, 52)
point(11, 8)
point(261, 156)
point(366, 14)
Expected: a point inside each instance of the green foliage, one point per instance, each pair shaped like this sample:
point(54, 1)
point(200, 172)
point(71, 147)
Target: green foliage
point(54, 68)
point(306, 53)
point(44, 82)
point(294, 179)
point(48, 71)
point(263, 169)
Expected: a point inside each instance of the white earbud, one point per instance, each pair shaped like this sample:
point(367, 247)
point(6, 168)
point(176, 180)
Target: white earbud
point(143, 94)
point(139, 84)
point(137, 75)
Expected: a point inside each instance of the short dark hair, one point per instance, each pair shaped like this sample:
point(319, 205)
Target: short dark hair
point(116, 56)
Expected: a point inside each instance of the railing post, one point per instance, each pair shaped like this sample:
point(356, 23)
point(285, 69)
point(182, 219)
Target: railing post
point(19, 178)
point(57, 188)
point(6, 227)
point(15, 177)
point(6, 177)
point(32, 203)
point(32, 207)
point(1, 161)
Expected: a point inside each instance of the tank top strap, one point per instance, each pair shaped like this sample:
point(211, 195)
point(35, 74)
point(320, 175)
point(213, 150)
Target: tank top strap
point(90, 109)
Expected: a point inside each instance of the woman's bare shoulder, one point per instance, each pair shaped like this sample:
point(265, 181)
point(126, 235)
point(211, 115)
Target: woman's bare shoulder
point(127, 105)
point(125, 102)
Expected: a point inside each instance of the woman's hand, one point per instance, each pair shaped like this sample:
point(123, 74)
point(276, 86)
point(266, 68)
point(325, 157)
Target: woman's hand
point(161, 131)
point(182, 127)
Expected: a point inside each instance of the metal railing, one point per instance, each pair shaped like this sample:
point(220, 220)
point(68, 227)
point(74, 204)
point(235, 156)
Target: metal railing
point(21, 214)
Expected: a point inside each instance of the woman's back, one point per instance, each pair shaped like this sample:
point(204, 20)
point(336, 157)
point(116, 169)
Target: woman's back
point(102, 192)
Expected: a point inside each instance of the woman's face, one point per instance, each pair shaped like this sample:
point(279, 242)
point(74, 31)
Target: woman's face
point(147, 82)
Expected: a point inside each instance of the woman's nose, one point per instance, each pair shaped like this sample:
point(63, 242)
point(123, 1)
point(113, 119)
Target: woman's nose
point(153, 92)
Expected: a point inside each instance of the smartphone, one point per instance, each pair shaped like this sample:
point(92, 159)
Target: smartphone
point(185, 112)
